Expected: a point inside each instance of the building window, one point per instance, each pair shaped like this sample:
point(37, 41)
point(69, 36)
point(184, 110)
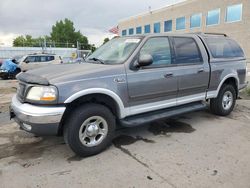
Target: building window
point(138, 30)
point(157, 27)
point(213, 17)
point(180, 23)
point(131, 31)
point(124, 32)
point(168, 26)
point(147, 29)
point(234, 13)
point(195, 20)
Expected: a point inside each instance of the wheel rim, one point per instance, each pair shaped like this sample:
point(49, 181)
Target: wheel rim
point(227, 100)
point(93, 131)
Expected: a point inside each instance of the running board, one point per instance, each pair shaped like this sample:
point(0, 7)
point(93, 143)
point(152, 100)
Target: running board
point(148, 117)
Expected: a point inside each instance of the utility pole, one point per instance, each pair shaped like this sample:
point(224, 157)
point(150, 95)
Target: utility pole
point(77, 48)
point(44, 44)
point(150, 9)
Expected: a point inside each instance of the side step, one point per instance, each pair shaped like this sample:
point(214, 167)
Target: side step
point(148, 117)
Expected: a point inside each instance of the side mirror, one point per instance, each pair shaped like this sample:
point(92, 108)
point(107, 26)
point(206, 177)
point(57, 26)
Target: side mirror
point(26, 61)
point(145, 60)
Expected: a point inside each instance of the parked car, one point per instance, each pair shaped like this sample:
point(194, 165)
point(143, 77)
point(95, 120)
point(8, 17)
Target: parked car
point(130, 81)
point(34, 61)
point(9, 69)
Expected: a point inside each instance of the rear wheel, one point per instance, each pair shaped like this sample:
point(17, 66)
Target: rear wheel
point(225, 101)
point(90, 129)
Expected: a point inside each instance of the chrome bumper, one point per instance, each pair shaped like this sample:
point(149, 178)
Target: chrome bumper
point(42, 120)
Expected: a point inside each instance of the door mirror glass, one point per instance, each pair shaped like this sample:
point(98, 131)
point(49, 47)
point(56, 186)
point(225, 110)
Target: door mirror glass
point(145, 60)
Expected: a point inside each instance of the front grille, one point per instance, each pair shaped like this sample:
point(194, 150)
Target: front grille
point(21, 91)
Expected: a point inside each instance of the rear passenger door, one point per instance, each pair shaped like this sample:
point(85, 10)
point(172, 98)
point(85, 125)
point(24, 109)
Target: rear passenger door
point(42, 61)
point(193, 70)
point(36, 64)
point(51, 60)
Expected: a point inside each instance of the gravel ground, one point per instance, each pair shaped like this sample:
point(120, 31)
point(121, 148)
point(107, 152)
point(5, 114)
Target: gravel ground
point(194, 150)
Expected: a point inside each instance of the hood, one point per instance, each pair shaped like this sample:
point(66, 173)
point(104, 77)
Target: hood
point(56, 74)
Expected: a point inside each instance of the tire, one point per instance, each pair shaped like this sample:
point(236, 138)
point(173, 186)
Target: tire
point(95, 124)
point(5, 77)
point(223, 105)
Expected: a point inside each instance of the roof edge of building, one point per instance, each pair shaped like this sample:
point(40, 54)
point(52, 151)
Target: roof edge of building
point(156, 10)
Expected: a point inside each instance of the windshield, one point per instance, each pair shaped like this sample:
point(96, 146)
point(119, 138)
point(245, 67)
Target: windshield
point(115, 51)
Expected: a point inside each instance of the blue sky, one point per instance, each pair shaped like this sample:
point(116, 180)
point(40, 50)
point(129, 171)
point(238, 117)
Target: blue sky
point(93, 18)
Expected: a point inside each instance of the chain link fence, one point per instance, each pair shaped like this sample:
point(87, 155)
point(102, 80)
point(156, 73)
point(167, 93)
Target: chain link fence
point(67, 54)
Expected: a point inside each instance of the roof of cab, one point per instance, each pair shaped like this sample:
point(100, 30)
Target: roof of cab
point(173, 34)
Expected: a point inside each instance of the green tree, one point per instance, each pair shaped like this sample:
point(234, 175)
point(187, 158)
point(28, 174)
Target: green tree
point(64, 35)
point(19, 41)
point(92, 48)
point(28, 41)
point(105, 40)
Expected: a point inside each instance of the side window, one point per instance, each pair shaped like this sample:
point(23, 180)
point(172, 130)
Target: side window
point(186, 51)
point(159, 49)
point(43, 58)
point(38, 59)
point(50, 58)
point(30, 59)
point(222, 47)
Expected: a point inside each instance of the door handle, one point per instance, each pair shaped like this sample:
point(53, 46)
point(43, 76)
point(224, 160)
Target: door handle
point(200, 70)
point(168, 75)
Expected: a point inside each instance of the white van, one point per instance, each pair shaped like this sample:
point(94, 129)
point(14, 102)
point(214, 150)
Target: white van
point(34, 61)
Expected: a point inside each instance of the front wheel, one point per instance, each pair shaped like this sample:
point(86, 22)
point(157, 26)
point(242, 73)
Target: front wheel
point(224, 103)
point(90, 129)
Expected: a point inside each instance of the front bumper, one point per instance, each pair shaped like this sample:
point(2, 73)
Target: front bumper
point(40, 120)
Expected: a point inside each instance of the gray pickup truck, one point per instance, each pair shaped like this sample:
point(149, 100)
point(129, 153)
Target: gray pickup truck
point(130, 81)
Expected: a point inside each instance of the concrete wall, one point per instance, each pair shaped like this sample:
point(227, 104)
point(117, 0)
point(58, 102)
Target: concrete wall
point(240, 31)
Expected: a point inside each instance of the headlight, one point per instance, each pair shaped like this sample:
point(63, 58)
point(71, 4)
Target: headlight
point(42, 94)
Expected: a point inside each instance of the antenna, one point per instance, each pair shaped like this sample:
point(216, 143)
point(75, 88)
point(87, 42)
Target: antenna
point(149, 9)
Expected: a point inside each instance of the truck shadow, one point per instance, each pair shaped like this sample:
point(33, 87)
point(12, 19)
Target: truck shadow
point(163, 127)
point(26, 146)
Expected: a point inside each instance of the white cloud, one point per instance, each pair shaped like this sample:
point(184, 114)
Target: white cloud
point(96, 36)
point(7, 39)
point(36, 17)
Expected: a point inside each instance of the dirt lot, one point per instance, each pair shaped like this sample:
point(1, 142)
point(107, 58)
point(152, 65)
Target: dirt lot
point(194, 150)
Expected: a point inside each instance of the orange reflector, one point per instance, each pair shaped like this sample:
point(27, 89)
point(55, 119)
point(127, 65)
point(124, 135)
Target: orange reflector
point(47, 98)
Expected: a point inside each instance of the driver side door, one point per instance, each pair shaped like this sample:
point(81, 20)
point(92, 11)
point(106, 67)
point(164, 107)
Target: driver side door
point(153, 87)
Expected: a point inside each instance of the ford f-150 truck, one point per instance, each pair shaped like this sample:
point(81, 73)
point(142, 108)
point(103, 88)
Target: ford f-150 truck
point(130, 81)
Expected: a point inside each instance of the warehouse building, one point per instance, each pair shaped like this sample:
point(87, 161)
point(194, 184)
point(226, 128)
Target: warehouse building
point(231, 17)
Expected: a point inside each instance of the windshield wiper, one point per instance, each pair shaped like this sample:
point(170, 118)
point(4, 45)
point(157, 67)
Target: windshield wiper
point(96, 59)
